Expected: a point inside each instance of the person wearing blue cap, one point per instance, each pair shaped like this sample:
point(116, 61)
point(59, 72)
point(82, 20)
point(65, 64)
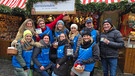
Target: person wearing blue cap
point(110, 41)
point(89, 28)
point(94, 33)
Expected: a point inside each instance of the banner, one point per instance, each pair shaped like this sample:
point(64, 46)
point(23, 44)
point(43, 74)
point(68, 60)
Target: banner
point(51, 7)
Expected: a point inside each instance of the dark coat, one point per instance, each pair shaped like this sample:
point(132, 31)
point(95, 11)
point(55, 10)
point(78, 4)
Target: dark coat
point(63, 62)
point(116, 42)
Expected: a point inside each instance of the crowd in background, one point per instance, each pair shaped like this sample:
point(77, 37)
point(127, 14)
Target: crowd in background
point(54, 50)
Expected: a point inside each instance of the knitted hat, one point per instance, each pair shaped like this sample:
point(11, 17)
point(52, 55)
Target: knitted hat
point(26, 32)
point(108, 20)
point(85, 33)
point(88, 20)
point(74, 25)
point(60, 21)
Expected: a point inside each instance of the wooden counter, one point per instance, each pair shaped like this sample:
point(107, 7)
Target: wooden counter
point(126, 60)
point(3, 49)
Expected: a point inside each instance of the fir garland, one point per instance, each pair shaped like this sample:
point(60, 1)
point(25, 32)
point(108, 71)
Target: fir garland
point(124, 6)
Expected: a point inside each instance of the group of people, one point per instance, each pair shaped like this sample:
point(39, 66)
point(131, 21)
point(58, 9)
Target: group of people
point(59, 49)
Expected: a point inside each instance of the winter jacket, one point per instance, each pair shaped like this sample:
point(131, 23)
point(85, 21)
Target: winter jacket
point(41, 55)
point(62, 59)
point(50, 25)
point(23, 59)
point(116, 42)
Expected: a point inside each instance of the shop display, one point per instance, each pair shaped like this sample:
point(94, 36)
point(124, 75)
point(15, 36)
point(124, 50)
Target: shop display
point(9, 26)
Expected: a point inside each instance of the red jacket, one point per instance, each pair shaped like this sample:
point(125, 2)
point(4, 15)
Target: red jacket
point(50, 25)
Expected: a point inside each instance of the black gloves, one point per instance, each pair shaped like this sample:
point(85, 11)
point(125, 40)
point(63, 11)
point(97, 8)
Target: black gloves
point(25, 68)
point(32, 67)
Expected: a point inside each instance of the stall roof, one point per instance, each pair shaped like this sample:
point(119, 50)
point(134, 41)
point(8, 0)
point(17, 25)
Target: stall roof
point(106, 1)
point(14, 3)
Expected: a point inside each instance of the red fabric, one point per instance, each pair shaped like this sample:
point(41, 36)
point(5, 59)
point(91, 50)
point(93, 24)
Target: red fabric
point(50, 25)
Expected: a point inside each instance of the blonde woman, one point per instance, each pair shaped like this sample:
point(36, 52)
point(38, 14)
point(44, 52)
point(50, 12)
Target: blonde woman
point(74, 37)
point(28, 24)
point(88, 54)
point(22, 62)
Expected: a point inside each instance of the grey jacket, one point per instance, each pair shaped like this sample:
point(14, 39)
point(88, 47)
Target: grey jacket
point(116, 42)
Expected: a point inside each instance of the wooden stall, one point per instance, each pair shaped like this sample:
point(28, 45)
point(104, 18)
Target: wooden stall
point(127, 59)
point(8, 28)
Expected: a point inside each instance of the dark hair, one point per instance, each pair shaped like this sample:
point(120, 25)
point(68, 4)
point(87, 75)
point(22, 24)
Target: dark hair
point(46, 35)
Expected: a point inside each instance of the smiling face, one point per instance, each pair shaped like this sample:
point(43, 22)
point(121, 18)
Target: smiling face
point(28, 37)
point(73, 29)
point(42, 24)
point(62, 36)
point(86, 38)
point(60, 26)
point(89, 25)
point(106, 26)
point(46, 39)
point(29, 24)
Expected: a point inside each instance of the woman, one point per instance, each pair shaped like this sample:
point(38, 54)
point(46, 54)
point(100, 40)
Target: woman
point(88, 54)
point(41, 56)
point(47, 28)
point(74, 37)
point(61, 68)
point(28, 24)
point(60, 28)
point(23, 60)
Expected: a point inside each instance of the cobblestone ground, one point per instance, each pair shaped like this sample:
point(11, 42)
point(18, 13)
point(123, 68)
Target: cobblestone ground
point(6, 69)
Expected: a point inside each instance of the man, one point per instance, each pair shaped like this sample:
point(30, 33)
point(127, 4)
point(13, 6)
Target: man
point(110, 41)
point(89, 27)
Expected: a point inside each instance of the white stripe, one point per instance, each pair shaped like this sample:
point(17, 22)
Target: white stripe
point(5, 2)
point(98, 0)
point(9, 3)
point(103, 0)
point(92, 0)
point(12, 4)
point(21, 3)
point(109, 1)
point(15, 4)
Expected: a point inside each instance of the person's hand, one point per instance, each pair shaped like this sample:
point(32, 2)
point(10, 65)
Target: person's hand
point(26, 70)
point(64, 13)
point(14, 42)
point(36, 35)
point(106, 41)
point(57, 66)
point(42, 68)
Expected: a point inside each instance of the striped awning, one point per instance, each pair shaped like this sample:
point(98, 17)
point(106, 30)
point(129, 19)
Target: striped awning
point(14, 3)
point(106, 1)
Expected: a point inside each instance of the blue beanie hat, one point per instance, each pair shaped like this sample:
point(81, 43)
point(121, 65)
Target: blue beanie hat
point(60, 21)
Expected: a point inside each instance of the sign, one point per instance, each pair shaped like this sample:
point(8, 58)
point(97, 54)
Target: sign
point(51, 7)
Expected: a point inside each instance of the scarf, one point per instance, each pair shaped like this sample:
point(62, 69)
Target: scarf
point(72, 35)
point(63, 42)
point(85, 44)
point(27, 45)
point(45, 45)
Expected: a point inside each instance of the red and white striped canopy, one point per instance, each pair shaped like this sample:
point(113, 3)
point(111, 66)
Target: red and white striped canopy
point(106, 1)
point(14, 3)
